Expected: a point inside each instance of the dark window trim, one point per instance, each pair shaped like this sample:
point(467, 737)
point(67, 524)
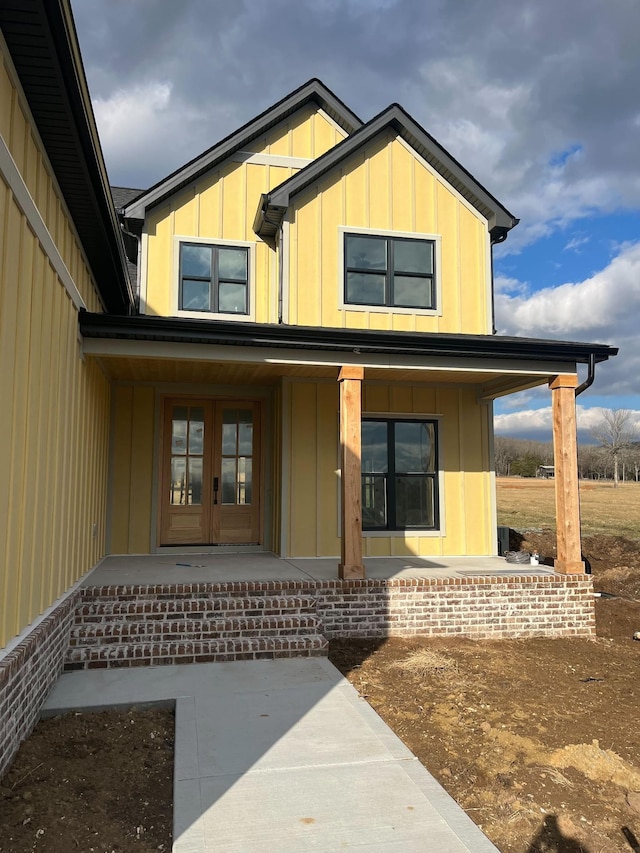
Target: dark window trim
point(214, 279)
point(390, 271)
point(390, 474)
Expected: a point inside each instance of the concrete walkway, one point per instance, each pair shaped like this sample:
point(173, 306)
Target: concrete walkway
point(283, 756)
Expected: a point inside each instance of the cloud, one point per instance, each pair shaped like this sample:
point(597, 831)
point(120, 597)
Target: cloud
point(603, 309)
point(532, 423)
point(547, 117)
point(575, 243)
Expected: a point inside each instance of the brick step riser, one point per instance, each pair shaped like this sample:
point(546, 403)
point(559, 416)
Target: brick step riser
point(184, 651)
point(193, 609)
point(158, 631)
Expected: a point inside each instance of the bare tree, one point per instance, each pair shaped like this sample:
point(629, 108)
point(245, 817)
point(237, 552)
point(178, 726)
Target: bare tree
point(616, 432)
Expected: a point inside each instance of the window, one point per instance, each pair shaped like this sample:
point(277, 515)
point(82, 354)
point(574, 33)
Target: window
point(214, 278)
point(394, 272)
point(399, 475)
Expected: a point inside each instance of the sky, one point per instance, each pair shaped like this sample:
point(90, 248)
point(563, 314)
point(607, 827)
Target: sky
point(539, 100)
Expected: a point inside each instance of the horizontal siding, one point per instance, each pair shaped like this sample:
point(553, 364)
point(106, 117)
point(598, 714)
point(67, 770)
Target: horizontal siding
point(313, 480)
point(54, 423)
point(386, 187)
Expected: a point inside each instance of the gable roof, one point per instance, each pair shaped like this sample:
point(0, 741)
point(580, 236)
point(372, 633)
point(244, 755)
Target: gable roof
point(312, 92)
point(43, 44)
point(274, 204)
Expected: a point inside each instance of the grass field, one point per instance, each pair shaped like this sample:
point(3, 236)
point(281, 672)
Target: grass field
point(530, 503)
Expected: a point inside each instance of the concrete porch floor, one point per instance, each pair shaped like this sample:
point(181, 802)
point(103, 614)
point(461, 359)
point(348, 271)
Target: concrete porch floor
point(265, 566)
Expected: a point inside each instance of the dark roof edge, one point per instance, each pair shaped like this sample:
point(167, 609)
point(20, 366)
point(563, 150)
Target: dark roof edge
point(185, 330)
point(499, 218)
point(47, 29)
point(313, 90)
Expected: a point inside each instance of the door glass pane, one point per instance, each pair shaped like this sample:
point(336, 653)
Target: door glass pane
point(195, 295)
point(244, 480)
point(177, 487)
point(412, 256)
point(194, 495)
point(414, 448)
point(413, 292)
point(229, 432)
point(245, 432)
point(415, 503)
point(179, 430)
point(374, 447)
point(232, 298)
point(366, 253)
point(195, 261)
point(365, 288)
point(196, 430)
point(229, 481)
point(374, 501)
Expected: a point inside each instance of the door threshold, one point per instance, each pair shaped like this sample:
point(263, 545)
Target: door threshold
point(211, 549)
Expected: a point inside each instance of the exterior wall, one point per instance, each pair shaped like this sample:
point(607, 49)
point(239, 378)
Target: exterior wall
point(131, 469)
point(54, 413)
point(27, 674)
point(312, 479)
point(222, 205)
point(386, 187)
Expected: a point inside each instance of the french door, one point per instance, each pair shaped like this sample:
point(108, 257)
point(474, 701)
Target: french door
point(210, 472)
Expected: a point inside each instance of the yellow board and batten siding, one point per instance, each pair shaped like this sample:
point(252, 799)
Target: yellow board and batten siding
point(54, 417)
point(222, 205)
point(311, 411)
point(386, 187)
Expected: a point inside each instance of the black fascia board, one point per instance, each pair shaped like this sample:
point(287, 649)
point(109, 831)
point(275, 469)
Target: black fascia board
point(232, 333)
point(313, 90)
point(395, 117)
point(40, 34)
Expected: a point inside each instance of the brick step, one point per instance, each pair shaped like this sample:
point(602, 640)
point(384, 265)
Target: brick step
point(107, 608)
point(114, 655)
point(165, 630)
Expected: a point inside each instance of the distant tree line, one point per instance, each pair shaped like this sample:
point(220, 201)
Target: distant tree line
point(519, 457)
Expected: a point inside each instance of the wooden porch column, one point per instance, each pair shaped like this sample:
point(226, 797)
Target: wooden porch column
point(350, 379)
point(565, 457)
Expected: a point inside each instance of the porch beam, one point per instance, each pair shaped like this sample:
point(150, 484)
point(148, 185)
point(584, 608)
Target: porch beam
point(565, 457)
point(350, 379)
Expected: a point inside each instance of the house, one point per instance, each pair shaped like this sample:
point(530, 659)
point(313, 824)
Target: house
point(545, 471)
point(286, 345)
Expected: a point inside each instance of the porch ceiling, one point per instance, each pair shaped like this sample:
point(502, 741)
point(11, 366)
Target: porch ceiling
point(490, 383)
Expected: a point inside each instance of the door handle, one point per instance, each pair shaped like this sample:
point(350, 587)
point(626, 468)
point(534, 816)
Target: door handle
point(215, 490)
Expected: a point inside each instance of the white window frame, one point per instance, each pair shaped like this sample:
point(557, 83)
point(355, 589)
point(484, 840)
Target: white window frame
point(178, 240)
point(389, 309)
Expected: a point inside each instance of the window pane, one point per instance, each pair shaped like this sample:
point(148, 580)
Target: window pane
point(244, 480)
point(374, 447)
point(179, 430)
point(195, 295)
point(232, 263)
point(374, 501)
point(195, 480)
point(177, 487)
point(245, 432)
point(412, 292)
point(415, 504)
point(196, 430)
point(196, 261)
point(365, 288)
point(415, 447)
point(228, 481)
point(366, 253)
point(230, 432)
point(232, 298)
point(412, 256)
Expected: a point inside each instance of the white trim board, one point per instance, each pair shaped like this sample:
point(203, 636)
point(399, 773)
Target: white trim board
point(11, 174)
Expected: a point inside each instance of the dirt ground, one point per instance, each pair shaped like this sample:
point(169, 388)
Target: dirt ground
point(91, 782)
point(538, 740)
